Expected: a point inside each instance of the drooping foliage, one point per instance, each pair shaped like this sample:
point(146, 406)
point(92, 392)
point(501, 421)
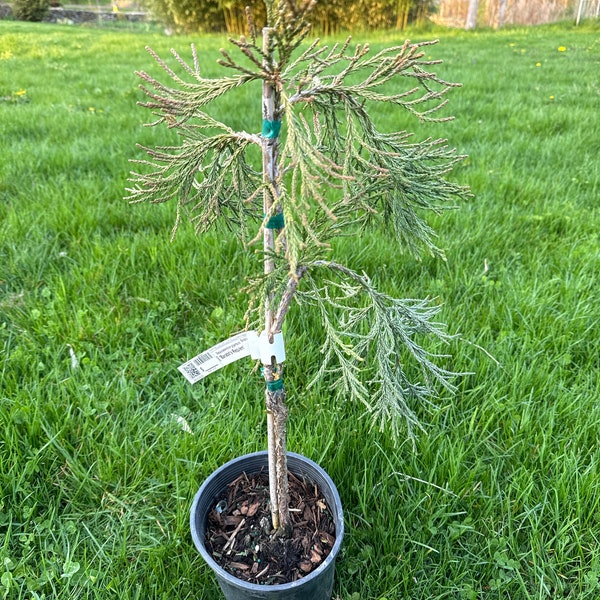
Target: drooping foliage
point(336, 174)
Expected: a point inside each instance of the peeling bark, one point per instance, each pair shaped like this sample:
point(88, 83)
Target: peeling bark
point(278, 479)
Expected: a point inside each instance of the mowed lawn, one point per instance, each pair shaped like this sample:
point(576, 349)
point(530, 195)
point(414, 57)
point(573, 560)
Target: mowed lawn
point(103, 442)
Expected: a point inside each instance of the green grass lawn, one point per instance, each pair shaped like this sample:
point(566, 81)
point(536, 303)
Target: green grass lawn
point(501, 497)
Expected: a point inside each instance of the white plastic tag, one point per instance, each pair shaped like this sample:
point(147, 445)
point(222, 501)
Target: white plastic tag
point(248, 343)
point(217, 357)
point(267, 350)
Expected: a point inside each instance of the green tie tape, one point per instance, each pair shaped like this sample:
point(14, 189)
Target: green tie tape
point(276, 221)
point(271, 129)
point(276, 384)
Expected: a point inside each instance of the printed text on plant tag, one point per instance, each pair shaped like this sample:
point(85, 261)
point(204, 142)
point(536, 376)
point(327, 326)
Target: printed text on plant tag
point(217, 357)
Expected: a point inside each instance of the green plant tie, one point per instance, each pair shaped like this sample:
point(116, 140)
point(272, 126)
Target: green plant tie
point(276, 221)
point(271, 129)
point(276, 384)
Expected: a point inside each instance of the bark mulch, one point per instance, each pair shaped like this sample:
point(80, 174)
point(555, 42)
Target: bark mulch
point(240, 537)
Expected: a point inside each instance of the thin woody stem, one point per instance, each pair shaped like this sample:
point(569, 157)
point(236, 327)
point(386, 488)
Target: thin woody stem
point(275, 398)
point(286, 300)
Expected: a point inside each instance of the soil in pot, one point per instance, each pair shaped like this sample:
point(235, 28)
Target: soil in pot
point(240, 538)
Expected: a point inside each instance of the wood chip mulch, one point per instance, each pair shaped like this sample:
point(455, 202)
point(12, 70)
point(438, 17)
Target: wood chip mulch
point(240, 538)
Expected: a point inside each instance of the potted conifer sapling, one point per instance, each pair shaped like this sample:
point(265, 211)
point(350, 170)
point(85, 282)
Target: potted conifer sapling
point(326, 171)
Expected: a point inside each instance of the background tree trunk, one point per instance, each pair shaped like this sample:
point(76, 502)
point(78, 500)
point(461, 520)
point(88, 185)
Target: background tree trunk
point(580, 10)
point(501, 12)
point(472, 14)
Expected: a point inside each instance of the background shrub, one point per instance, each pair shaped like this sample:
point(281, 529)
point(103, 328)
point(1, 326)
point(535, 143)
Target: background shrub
point(328, 17)
point(30, 10)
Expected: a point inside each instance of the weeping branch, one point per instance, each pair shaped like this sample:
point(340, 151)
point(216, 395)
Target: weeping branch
point(372, 344)
point(335, 173)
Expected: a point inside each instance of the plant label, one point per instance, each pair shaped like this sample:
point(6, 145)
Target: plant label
point(247, 343)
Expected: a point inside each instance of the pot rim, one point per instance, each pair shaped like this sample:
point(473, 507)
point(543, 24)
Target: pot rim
point(232, 579)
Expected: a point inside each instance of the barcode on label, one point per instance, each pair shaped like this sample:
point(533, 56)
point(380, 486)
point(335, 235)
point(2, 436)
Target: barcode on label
point(202, 358)
point(224, 353)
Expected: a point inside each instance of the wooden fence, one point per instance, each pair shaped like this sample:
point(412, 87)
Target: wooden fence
point(497, 13)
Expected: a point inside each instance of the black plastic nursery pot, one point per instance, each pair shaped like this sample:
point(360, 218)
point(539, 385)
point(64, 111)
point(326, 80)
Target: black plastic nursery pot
point(318, 584)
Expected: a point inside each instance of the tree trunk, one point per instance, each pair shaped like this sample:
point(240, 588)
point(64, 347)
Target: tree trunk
point(580, 11)
point(402, 10)
point(275, 392)
point(472, 14)
point(501, 12)
point(277, 414)
point(421, 12)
